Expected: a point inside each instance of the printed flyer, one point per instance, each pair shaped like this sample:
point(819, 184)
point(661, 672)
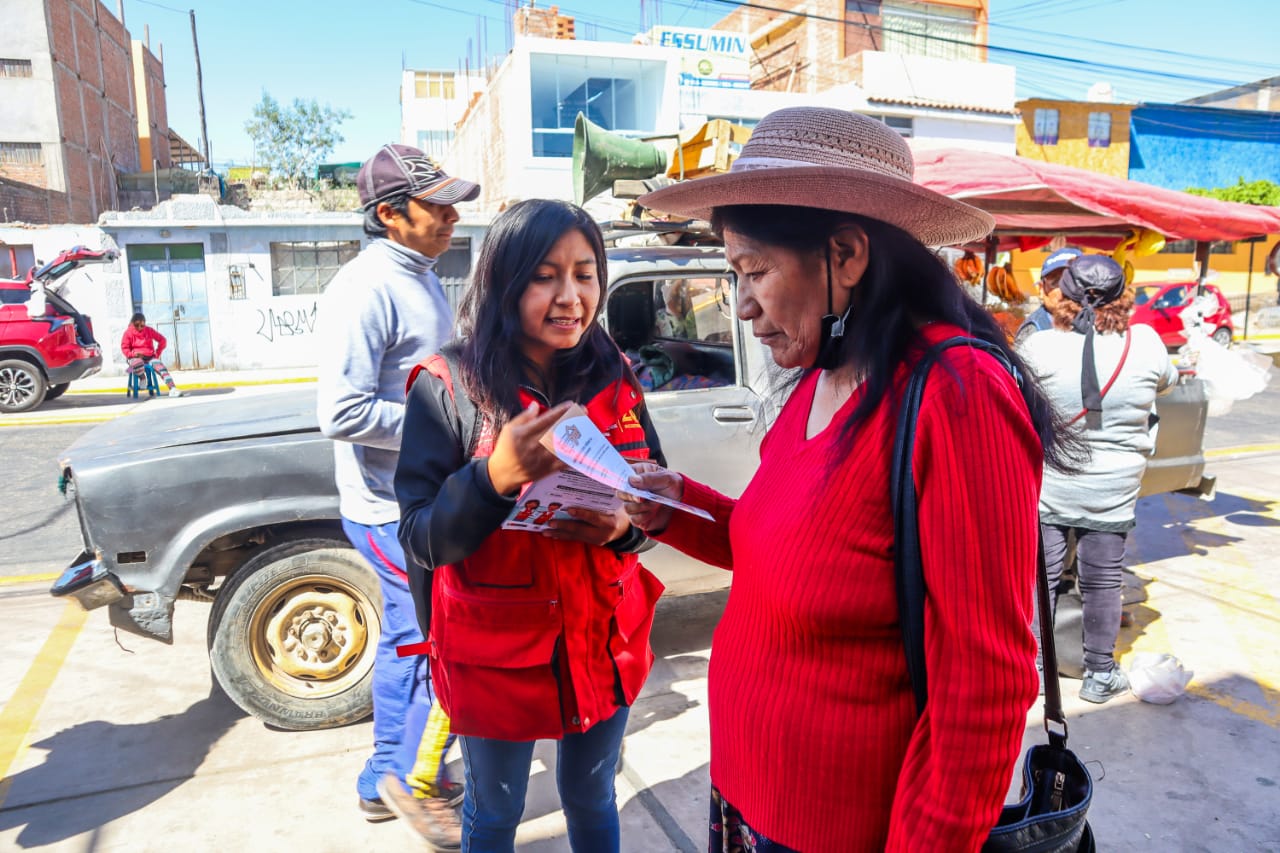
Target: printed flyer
point(595, 474)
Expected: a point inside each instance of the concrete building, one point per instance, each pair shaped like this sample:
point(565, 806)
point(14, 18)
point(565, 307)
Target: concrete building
point(921, 67)
point(1085, 134)
point(1178, 146)
point(1259, 95)
point(230, 289)
point(432, 102)
point(68, 124)
point(674, 79)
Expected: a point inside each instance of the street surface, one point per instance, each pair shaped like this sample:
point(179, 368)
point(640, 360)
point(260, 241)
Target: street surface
point(118, 743)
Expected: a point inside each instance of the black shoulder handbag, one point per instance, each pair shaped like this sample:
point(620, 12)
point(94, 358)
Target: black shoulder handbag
point(1056, 787)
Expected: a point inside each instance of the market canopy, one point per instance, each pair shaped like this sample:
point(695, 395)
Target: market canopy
point(1034, 198)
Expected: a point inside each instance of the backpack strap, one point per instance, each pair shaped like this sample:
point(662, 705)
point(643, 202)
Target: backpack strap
point(467, 422)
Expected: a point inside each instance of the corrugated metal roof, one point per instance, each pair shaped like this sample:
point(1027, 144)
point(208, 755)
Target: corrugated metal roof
point(941, 105)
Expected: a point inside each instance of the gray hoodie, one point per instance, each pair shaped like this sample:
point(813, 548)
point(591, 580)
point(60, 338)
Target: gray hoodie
point(383, 312)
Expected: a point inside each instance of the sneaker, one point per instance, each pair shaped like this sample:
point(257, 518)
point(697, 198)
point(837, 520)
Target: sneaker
point(375, 810)
point(176, 392)
point(1099, 687)
point(430, 818)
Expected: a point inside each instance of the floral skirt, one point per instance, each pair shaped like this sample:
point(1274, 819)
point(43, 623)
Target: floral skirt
point(729, 833)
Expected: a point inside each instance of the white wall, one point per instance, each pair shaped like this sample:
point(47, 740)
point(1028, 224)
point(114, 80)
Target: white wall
point(894, 76)
point(418, 114)
point(28, 105)
point(995, 134)
point(90, 289)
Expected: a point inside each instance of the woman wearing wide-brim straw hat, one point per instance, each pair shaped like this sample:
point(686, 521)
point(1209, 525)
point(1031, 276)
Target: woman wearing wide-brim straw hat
point(815, 740)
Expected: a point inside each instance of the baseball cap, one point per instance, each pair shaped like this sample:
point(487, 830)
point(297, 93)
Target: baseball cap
point(1059, 259)
point(397, 169)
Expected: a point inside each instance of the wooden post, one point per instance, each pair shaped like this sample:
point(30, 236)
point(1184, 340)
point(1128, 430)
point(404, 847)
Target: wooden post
point(204, 128)
point(988, 261)
point(1248, 289)
point(1202, 265)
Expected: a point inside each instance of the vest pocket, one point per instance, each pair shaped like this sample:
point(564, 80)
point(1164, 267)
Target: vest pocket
point(496, 661)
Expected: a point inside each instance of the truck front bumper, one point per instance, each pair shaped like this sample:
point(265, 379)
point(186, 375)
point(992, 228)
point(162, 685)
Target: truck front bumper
point(89, 582)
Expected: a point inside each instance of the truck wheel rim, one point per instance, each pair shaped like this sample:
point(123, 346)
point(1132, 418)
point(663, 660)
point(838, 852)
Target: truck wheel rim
point(16, 386)
point(312, 638)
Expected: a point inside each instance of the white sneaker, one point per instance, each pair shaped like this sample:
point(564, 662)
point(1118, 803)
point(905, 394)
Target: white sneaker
point(175, 392)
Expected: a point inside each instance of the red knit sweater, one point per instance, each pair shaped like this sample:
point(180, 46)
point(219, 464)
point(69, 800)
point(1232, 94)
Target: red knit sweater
point(814, 734)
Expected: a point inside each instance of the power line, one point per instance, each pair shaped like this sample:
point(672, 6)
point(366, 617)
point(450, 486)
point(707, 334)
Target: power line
point(162, 6)
point(1010, 51)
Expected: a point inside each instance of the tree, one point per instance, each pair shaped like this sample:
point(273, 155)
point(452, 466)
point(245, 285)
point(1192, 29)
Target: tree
point(1254, 192)
point(291, 141)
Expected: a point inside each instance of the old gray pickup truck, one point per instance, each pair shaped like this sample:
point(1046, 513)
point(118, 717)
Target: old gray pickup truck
point(241, 511)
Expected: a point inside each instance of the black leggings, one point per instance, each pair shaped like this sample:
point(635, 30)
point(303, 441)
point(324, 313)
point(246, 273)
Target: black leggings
point(1099, 562)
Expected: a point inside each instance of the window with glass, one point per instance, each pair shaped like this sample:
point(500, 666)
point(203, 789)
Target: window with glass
point(1099, 130)
point(308, 266)
point(620, 95)
point(677, 332)
point(15, 260)
point(1046, 127)
point(433, 84)
point(929, 29)
point(435, 142)
point(21, 153)
point(15, 67)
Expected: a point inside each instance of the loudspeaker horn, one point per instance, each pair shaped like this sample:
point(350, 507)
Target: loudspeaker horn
point(601, 157)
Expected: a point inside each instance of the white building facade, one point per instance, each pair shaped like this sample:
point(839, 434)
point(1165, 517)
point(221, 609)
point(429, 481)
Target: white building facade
point(229, 289)
point(516, 138)
point(432, 102)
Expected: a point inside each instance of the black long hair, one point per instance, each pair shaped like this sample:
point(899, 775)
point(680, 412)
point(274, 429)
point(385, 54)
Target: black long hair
point(904, 285)
point(493, 364)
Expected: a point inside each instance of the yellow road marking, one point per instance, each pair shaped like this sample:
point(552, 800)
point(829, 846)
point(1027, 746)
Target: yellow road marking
point(16, 579)
point(1236, 451)
point(19, 713)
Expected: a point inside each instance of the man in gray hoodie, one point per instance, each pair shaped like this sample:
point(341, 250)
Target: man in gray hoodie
point(383, 313)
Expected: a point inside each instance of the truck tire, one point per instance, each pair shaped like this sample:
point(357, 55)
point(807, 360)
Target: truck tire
point(56, 391)
point(22, 387)
point(293, 635)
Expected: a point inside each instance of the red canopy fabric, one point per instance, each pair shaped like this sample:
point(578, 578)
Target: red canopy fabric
point(1030, 197)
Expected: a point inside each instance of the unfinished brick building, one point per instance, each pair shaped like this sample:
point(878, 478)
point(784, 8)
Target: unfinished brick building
point(68, 116)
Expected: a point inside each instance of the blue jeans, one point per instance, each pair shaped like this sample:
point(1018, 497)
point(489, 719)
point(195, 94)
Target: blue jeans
point(401, 686)
point(498, 777)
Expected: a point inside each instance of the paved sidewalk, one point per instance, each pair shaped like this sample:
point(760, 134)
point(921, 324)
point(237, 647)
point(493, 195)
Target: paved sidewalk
point(102, 398)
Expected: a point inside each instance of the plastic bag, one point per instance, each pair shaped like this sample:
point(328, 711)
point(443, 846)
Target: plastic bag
point(1229, 375)
point(1158, 678)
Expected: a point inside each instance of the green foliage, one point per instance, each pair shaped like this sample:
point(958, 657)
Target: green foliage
point(292, 141)
point(1254, 192)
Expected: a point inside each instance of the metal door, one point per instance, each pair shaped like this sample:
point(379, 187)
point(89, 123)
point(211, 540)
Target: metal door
point(168, 286)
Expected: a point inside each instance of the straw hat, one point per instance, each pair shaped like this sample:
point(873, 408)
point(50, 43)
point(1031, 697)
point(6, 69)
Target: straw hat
point(835, 160)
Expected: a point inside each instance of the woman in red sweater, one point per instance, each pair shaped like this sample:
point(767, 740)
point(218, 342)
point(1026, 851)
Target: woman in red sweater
point(143, 345)
point(815, 740)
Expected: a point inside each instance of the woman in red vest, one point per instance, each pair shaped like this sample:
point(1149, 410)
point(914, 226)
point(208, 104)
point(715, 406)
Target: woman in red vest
point(816, 743)
point(531, 635)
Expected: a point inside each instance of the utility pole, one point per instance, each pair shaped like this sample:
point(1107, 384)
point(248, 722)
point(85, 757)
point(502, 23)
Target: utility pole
point(204, 128)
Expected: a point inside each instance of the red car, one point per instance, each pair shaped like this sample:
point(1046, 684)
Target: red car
point(1160, 304)
point(41, 356)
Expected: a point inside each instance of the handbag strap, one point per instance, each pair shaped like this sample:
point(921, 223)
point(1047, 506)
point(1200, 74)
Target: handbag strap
point(908, 561)
point(1128, 335)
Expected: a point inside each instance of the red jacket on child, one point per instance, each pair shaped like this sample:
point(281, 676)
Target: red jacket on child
point(138, 343)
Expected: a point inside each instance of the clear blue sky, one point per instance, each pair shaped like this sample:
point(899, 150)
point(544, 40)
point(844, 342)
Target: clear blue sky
point(349, 55)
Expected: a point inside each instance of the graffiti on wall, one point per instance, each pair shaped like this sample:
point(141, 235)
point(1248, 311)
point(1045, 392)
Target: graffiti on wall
point(274, 325)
